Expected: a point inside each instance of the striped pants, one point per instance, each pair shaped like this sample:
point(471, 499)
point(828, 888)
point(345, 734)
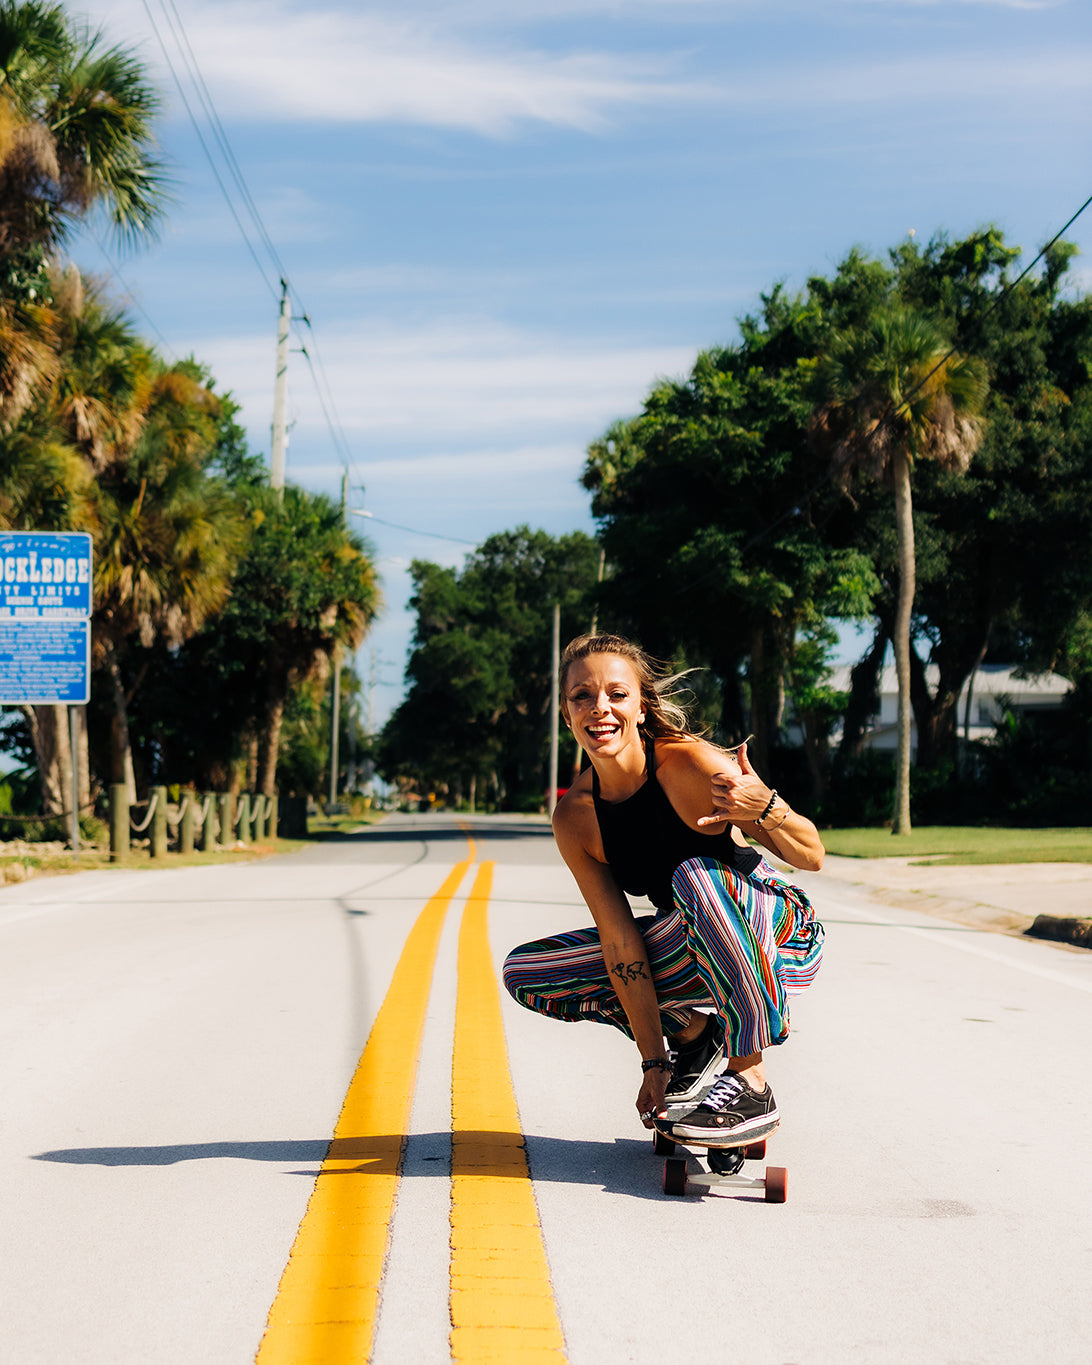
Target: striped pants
point(741, 943)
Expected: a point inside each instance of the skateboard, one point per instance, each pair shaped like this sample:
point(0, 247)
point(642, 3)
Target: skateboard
point(723, 1165)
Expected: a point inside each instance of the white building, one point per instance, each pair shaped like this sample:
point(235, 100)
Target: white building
point(993, 687)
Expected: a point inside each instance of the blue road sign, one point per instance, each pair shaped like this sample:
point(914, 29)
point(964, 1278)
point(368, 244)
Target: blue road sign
point(45, 576)
point(43, 662)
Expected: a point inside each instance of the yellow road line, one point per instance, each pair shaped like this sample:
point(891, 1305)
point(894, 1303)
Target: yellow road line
point(325, 1309)
point(502, 1302)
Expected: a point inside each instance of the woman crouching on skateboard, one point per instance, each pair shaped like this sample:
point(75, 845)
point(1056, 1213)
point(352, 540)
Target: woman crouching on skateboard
point(662, 813)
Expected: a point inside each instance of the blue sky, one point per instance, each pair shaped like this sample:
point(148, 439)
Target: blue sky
point(506, 220)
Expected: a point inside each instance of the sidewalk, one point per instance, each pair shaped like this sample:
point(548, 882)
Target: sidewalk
point(1005, 898)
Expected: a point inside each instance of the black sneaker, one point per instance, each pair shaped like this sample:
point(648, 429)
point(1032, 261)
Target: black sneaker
point(697, 1064)
point(730, 1115)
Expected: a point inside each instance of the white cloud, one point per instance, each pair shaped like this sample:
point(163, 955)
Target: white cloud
point(473, 377)
point(462, 67)
point(282, 61)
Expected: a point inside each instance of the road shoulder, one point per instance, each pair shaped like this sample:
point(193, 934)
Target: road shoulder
point(1052, 901)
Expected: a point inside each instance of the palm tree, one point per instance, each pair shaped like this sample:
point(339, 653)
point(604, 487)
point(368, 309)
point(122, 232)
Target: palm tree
point(888, 393)
point(76, 120)
point(305, 590)
point(104, 385)
point(76, 138)
point(45, 485)
point(166, 543)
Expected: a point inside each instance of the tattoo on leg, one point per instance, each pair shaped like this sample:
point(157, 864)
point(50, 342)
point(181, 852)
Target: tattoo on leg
point(630, 972)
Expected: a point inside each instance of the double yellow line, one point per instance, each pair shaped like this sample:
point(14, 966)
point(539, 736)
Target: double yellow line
point(502, 1305)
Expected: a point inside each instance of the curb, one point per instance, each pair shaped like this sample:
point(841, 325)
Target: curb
point(1058, 930)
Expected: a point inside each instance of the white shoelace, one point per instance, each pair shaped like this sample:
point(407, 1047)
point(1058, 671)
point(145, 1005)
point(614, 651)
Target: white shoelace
point(724, 1091)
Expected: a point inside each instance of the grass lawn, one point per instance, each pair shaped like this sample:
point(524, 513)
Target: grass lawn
point(949, 845)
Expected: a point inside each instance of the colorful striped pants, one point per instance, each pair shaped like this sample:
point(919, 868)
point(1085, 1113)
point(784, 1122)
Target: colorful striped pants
point(741, 943)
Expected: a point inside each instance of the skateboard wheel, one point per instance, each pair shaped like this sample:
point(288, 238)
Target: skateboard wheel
point(662, 1145)
point(675, 1175)
point(777, 1184)
point(755, 1151)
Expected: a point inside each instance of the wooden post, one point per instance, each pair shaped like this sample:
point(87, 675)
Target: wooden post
point(244, 817)
point(227, 819)
point(158, 844)
point(208, 829)
point(189, 819)
point(259, 818)
point(119, 821)
point(271, 823)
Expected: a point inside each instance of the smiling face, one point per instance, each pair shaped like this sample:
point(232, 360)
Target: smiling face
point(601, 703)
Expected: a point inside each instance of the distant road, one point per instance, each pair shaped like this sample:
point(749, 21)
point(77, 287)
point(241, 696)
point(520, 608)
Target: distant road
point(216, 1117)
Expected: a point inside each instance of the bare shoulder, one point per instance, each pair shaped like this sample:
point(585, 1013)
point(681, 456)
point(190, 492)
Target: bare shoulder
point(685, 768)
point(692, 757)
point(576, 828)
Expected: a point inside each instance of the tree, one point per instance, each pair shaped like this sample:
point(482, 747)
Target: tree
point(476, 715)
point(76, 138)
point(712, 508)
point(45, 486)
point(888, 393)
point(76, 132)
point(305, 588)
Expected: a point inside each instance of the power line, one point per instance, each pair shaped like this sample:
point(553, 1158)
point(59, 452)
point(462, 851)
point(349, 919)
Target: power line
point(205, 148)
point(189, 57)
point(175, 26)
point(130, 293)
point(432, 535)
point(980, 322)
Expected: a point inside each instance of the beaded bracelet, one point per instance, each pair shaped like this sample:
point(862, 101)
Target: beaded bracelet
point(769, 807)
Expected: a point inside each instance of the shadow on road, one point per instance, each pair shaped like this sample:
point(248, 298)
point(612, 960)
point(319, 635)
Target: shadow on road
point(624, 1166)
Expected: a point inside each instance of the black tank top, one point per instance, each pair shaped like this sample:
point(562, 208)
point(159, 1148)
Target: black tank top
point(645, 840)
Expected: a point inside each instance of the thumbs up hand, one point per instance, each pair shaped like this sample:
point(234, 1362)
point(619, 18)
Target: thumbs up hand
point(739, 797)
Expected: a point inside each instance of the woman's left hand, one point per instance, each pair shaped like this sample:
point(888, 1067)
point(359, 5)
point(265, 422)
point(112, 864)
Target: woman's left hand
point(653, 1094)
point(740, 797)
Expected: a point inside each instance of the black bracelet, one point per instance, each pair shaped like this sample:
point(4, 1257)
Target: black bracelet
point(769, 807)
point(657, 1062)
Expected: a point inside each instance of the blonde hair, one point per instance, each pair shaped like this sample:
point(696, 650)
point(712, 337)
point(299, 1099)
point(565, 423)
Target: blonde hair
point(664, 718)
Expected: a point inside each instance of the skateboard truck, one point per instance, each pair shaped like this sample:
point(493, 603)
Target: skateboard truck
point(725, 1165)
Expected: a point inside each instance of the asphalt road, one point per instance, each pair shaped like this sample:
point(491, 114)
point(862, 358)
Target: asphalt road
point(176, 1048)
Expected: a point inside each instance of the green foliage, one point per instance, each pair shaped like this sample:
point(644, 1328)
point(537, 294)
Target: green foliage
point(480, 690)
point(729, 541)
point(302, 586)
point(715, 507)
point(76, 130)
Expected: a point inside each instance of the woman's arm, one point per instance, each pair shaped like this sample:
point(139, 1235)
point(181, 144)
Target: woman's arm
point(701, 776)
point(624, 952)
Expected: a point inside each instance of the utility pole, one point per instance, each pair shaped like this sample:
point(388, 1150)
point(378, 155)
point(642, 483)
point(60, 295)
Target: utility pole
point(280, 404)
point(335, 659)
point(598, 583)
point(593, 630)
point(369, 766)
point(555, 666)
